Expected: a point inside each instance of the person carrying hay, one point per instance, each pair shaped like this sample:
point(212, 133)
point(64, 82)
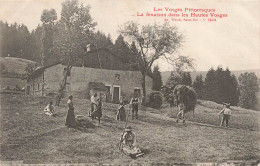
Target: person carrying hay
point(128, 141)
point(49, 109)
point(180, 115)
point(185, 99)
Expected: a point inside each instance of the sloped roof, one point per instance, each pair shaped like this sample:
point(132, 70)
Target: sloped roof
point(40, 70)
point(97, 86)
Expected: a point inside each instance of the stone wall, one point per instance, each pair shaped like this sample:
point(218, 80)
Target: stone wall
point(81, 76)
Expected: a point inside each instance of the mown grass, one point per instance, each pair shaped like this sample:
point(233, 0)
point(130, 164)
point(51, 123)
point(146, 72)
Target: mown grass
point(29, 135)
point(207, 112)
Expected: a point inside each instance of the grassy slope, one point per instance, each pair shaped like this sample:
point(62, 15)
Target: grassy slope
point(207, 112)
point(30, 136)
point(15, 65)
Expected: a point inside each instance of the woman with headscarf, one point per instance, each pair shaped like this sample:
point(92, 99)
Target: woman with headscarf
point(128, 140)
point(121, 114)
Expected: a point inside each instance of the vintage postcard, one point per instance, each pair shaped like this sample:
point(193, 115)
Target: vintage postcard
point(129, 82)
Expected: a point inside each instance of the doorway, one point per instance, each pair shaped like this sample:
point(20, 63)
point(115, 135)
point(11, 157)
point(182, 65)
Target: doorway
point(116, 94)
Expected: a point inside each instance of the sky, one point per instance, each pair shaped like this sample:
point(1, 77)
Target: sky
point(231, 41)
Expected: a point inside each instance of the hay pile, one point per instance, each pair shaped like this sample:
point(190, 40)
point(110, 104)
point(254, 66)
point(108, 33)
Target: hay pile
point(186, 95)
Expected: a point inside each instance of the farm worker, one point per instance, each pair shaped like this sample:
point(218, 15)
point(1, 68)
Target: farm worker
point(97, 113)
point(93, 103)
point(226, 111)
point(134, 104)
point(49, 109)
point(121, 115)
point(129, 143)
point(70, 119)
point(181, 112)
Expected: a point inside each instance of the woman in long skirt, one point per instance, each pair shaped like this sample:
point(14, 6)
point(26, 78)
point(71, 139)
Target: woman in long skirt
point(70, 119)
point(121, 115)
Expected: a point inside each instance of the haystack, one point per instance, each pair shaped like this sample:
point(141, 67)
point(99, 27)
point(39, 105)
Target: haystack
point(186, 95)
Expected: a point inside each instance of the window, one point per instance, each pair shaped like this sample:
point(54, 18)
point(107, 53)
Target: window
point(65, 70)
point(117, 77)
point(38, 86)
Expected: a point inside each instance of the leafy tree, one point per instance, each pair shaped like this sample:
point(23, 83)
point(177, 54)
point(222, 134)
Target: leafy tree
point(167, 90)
point(248, 86)
point(48, 18)
point(74, 29)
point(157, 79)
point(153, 42)
point(155, 100)
point(198, 86)
point(186, 78)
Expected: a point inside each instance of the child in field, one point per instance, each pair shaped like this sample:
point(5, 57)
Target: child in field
point(49, 109)
point(226, 111)
point(128, 141)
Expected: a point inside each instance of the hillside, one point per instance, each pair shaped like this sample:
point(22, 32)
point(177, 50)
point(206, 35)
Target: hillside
point(13, 66)
point(29, 136)
point(165, 75)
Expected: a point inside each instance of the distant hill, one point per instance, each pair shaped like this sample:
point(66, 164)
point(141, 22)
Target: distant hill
point(13, 67)
point(166, 74)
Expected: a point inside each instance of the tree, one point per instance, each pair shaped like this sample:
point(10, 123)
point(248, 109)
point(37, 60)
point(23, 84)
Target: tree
point(248, 86)
point(101, 40)
point(167, 90)
point(157, 79)
point(36, 44)
point(221, 86)
point(75, 27)
point(153, 42)
point(17, 41)
point(198, 86)
point(186, 78)
point(48, 18)
point(210, 85)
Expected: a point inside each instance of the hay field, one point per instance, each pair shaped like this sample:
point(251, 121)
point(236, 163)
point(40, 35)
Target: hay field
point(29, 136)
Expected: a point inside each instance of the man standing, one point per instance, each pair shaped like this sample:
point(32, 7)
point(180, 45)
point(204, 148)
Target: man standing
point(226, 111)
point(134, 103)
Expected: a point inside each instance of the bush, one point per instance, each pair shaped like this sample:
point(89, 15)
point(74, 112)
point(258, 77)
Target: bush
point(155, 100)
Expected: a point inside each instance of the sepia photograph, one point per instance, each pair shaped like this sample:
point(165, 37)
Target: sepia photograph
point(130, 82)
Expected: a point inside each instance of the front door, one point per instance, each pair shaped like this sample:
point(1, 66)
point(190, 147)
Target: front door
point(116, 95)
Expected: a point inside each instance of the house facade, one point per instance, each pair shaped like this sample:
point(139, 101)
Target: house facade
point(100, 71)
point(81, 82)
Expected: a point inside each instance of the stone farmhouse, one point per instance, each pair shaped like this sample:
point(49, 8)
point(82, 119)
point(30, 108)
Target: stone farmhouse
point(101, 71)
